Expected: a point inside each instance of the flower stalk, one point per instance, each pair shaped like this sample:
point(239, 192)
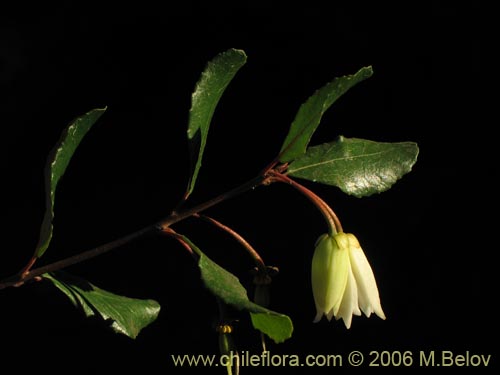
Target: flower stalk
point(342, 279)
point(332, 220)
point(259, 262)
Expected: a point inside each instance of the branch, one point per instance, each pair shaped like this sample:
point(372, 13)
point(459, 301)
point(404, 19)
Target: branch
point(175, 217)
point(22, 277)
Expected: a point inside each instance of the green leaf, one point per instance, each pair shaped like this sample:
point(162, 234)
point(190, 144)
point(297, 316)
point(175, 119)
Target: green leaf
point(127, 316)
point(228, 288)
point(57, 163)
point(309, 115)
point(357, 166)
point(281, 329)
point(213, 81)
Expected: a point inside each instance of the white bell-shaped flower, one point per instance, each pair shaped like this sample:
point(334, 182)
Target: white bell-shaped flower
point(342, 280)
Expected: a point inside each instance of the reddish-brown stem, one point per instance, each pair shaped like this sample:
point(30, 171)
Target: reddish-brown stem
point(18, 280)
point(249, 248)
point(269, 167)
point(330, 216)
point(26, 269)
point(178, 216)
point(26, 274)
point(170, 232)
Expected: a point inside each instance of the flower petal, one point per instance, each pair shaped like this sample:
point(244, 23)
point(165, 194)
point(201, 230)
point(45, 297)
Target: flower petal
point(319, 314)
point(328, 275)
point(320, 276)
point(329, 315)
point(369, 299)
point(349, 305)
point(340, 271)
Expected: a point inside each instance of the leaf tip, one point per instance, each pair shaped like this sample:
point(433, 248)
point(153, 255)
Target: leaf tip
point(366, 71)
point(238, 51)
point(99, 111)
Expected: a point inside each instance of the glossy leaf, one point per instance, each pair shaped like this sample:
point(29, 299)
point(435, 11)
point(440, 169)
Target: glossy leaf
point(310, 113)
point(358, 167)
point(213, 81)
point(57, 163)
point(228, 288)
point(127, 316)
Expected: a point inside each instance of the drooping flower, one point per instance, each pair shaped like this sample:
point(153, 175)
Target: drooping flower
point(342, 279)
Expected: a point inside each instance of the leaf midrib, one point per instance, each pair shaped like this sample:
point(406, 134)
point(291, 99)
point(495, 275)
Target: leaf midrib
point(337, 159)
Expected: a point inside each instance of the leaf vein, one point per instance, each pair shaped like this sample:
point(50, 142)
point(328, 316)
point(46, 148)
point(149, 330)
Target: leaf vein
point(337, 159)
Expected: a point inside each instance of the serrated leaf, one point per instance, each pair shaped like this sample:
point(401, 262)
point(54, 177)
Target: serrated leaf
point(213, 81)
point(57, 162)
point(228, 288)
point(358, 167)
point(310, 113)
point(127, 316)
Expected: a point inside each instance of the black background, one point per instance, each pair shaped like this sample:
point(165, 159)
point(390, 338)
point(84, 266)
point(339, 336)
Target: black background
point(426, 239)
